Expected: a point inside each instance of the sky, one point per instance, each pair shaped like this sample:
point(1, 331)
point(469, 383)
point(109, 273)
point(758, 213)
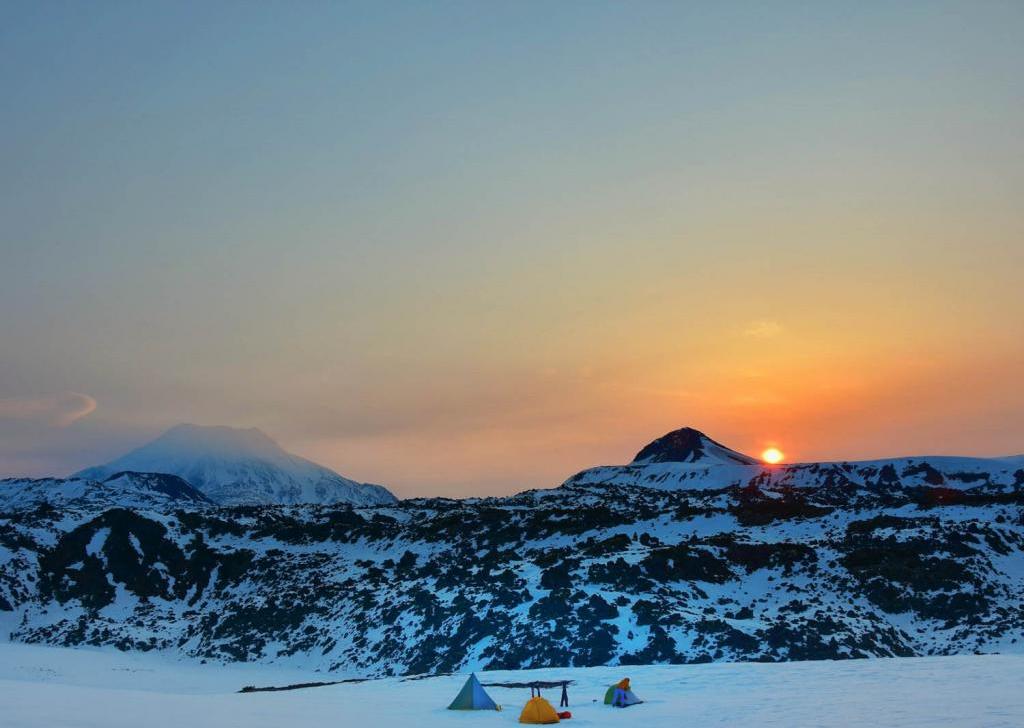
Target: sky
point(472, 248)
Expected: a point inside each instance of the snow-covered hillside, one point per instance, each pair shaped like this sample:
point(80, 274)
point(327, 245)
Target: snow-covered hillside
point(128, 490)
point(240, 467)
point(597, 572)
point(687, 459)
point(579, 575)
point(56, 688)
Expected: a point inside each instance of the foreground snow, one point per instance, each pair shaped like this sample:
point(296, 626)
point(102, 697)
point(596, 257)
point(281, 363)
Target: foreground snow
point(45, 687)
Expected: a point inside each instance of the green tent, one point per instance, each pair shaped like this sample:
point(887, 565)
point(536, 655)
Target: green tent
point(628, 698)
point(472, 697)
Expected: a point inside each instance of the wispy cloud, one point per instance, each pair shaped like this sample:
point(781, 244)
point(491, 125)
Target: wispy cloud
point(763, 329)
point(59, 410)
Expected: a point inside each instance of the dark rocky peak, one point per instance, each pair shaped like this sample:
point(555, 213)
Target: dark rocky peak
point(687, 445)
point(170, 485)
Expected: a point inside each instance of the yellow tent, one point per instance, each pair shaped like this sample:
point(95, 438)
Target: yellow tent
point(538, 710)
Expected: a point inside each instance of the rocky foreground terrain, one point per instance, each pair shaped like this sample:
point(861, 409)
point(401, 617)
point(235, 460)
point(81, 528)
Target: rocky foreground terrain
point(693, 553)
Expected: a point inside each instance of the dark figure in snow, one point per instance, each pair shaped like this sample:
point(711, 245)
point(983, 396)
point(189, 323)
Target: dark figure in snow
point(564, 702)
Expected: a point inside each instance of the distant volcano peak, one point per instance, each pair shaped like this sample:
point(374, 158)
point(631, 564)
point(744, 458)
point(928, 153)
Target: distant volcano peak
point(218, 438)
point(687, 445)
point(234, 466)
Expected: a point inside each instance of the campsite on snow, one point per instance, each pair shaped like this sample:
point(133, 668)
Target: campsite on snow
point(45, 687)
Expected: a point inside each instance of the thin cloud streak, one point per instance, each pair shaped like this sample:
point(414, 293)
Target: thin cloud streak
point(58, 410)
point(763, 330)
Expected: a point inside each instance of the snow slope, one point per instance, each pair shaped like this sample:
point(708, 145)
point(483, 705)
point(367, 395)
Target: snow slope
point(240, 467)
point(54, 688)
point(580, 576)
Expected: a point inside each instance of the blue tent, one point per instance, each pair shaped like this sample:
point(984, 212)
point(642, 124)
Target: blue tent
point(472, 697)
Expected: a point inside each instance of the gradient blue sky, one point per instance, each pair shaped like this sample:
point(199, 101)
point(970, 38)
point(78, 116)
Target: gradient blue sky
point(474, 247)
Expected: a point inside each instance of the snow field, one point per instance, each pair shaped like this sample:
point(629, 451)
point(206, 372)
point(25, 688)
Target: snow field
point(46, 687)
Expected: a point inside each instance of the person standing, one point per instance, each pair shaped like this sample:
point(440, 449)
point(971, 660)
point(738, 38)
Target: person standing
point(619, 699)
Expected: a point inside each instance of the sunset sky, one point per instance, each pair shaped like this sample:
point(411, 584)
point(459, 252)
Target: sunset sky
point(471, 248)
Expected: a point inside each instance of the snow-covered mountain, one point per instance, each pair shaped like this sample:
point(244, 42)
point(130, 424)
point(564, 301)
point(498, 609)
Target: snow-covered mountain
point(612, 568)
point(687, 459)
point(240, 467)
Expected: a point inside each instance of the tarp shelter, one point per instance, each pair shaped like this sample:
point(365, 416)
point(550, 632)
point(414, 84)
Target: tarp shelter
point(538, 711)
point(472, 697)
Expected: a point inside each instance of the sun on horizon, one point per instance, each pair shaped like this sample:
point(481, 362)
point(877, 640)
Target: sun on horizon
point(772, 455)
